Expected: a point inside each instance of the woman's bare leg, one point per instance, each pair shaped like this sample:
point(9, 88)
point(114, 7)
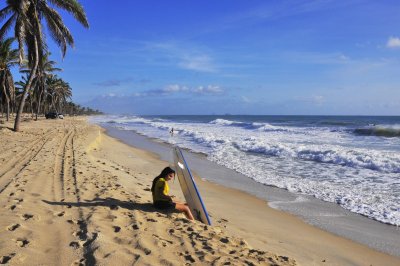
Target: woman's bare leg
point(185, 209)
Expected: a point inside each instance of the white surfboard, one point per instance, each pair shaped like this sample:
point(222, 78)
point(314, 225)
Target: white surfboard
point(189, 188)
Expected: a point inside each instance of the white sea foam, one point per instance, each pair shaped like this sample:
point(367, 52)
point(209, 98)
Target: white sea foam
point(361, 173)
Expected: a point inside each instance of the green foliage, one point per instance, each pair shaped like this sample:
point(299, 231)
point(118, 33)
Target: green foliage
point(25, 19)
point(75, 109)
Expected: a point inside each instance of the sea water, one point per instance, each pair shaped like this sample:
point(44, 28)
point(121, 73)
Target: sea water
point(350, 161)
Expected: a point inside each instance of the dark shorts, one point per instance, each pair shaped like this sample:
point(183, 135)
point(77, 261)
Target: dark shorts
point(164, 205)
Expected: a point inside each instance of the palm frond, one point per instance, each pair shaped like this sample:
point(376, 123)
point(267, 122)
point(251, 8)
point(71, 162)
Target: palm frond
point(5, 12)
point(74, 8)
point(7, 26)
point(55, 22)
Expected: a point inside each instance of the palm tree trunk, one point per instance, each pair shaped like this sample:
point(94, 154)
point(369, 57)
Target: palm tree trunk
point(38, 105)
point(8, 109)
point(27, 88)
point(6, 95)
point(39, 102)
point(1, 107)
point(31, 103)
point(11, 90)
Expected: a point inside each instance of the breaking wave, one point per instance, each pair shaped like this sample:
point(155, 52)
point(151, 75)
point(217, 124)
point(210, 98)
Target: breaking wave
point(381, 131)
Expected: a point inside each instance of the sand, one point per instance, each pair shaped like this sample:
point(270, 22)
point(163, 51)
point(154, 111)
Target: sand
point(71, 195)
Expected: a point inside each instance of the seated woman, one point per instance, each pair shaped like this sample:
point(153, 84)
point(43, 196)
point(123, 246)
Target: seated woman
point(160, 191)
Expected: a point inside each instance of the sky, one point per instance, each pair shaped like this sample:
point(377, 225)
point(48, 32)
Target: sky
point(276, 57)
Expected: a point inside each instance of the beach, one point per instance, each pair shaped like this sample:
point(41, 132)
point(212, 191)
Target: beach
point(72, 195)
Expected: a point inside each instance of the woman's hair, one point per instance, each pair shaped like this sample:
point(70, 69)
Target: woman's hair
point(166, 171)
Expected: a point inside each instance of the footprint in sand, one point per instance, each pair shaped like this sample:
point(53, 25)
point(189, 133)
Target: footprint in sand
point(22, 242)
point(60, 214)
point(80, 262)
point(224, 240)
point(135, 227)
point(6, 259)
point(13, 227)
point(27, 216)
point(74, 244)
point(80, 234)
point(12, 207)
point(188, 257)
point(116, 229)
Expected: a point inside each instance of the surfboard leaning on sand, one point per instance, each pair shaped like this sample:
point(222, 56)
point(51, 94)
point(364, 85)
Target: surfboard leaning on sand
point(189, 188)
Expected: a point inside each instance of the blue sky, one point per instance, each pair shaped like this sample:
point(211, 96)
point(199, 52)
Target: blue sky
point(326, 57)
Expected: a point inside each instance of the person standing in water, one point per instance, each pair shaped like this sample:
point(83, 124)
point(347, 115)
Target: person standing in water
point(171, 132)
point(161, 198)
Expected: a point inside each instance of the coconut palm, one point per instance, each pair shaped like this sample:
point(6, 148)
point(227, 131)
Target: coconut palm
point(64, 93)
point(45, 69)
point(58, 92)
point(19, 88)
point(27, 18)
point(8, 58)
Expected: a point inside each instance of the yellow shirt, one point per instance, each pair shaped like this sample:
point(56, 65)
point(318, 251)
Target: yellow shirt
point(161, 190)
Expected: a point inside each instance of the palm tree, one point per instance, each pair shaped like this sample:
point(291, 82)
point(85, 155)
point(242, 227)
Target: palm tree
point(20, 86)
point(26, 16)
point(8, 58)
point(45, 69)
point(58, 91)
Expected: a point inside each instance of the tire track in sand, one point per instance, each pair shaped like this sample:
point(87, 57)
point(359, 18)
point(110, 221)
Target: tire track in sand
point(21, 160)
point(65, 185)
point(60, 165)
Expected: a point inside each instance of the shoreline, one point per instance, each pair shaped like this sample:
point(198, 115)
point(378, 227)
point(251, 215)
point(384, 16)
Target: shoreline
point(72, 195)
point(334, 213)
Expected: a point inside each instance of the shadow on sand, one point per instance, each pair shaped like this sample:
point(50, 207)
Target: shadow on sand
point(4, 126)
point(111, 203)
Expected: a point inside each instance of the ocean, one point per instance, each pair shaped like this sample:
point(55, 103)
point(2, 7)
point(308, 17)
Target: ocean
point(353, 161)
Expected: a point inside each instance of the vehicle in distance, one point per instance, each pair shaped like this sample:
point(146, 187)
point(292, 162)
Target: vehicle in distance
point(53, 115)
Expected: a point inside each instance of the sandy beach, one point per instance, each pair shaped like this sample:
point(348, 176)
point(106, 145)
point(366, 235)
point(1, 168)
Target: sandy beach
point(72, 195)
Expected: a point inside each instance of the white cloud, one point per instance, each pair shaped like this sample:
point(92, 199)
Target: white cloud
point(393, 42)
point(202, 63)
point(186, 56)
point(113, 82)
point(176, 88)
point(210, 89)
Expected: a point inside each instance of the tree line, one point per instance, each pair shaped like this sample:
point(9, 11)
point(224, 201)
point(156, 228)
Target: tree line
point(40, 89)
point(49, 93)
